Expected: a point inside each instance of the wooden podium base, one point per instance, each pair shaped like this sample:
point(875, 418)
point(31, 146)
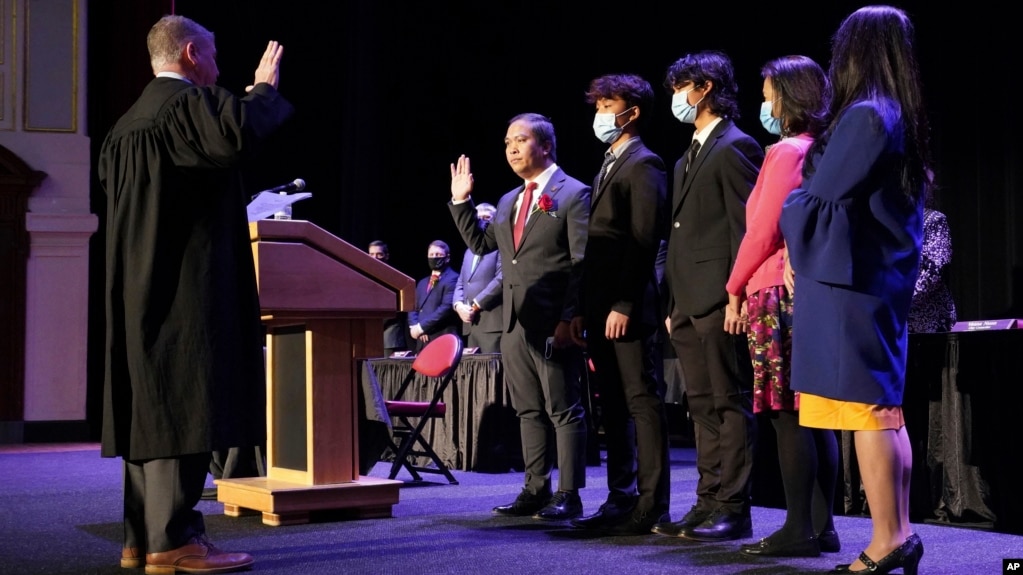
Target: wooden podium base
point(285, 503)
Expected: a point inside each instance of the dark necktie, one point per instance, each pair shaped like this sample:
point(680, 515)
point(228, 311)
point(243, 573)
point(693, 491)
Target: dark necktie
point(693, 150)
point(524, 207)
point(609, 159)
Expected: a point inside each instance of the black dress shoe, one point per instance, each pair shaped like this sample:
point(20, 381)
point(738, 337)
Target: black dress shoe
point(639, 522)
point(209, 494)
point(907, 556)
point(721, 526)
point(693, 518)
point(765, 548)
point(610, 513)
point(829, 542)
point(524, 505)
point(563, 506)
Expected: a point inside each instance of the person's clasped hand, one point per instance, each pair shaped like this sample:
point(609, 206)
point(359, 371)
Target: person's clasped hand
point(736, 318)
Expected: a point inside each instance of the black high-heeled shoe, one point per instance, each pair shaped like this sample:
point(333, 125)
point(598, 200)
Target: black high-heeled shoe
point(906, 556)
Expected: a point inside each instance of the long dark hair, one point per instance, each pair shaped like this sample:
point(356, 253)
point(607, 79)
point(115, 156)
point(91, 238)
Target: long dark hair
point(872, 58)
point(802, 87)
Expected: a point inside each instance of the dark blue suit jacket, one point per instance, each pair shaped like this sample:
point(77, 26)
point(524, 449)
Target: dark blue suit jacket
point(433, 310)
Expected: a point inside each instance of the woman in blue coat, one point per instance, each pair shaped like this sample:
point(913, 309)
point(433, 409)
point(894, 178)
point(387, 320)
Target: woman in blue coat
point(853, 232)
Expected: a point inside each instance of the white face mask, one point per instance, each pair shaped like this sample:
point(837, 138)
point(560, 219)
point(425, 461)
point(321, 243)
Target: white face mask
point(605, 128)
point(683, 110)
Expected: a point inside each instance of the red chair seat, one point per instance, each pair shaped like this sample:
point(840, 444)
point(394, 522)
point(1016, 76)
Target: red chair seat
point(415, 408)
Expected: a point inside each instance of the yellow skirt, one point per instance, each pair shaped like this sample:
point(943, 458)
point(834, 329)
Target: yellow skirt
point(825, 413)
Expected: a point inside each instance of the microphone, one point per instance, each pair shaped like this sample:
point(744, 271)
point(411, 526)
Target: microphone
point(298, 184)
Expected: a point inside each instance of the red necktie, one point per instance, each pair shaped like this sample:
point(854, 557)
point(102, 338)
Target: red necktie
point(524, 207)
point(433, 282)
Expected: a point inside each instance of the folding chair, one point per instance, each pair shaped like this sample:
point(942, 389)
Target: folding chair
point(437, 362)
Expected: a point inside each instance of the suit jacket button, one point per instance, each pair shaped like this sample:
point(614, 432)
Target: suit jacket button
point(515, 261)
point(676, 224)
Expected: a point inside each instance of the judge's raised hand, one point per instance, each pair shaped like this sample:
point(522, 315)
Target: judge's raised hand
point(461, 179)
point(269, 66)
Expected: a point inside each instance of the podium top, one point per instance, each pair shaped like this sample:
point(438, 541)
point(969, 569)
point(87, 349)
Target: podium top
point(302, 267)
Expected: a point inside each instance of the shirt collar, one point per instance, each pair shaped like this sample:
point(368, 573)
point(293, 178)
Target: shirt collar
point(544, 177)
point(623, 148)
point(175, 75)
point(701, 136)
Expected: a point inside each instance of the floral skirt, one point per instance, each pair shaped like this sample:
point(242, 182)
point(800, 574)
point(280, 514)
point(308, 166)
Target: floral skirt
point(770, 344)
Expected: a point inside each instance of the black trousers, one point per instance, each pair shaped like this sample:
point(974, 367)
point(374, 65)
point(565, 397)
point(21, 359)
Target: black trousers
point(632, 410)
point(719, 388)
point(159, 501)
point(238, 462)
point(546, 393)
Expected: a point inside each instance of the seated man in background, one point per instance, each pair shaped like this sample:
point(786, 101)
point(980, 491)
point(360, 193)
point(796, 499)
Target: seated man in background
point(434, 314)
point(396, 336)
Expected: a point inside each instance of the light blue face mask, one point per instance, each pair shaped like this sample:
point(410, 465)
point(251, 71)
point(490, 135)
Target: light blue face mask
point(683, 110)
point(770, 123)
point(605, 128)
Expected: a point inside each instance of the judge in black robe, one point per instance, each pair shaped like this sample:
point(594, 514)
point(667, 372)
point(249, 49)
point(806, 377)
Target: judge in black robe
point(184, 363)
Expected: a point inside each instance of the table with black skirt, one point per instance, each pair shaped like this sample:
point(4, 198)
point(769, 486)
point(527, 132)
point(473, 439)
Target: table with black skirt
point(964, 395)
point(479, 431)
point(963, 398)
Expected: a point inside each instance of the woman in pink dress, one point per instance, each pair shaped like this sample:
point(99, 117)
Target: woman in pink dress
point(795, 108)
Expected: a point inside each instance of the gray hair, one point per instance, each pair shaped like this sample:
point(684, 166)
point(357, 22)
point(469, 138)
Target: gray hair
point(486, 208)
point(169, 36)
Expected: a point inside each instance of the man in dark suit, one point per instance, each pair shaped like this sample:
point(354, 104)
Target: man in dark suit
point(478, 293)
point(395, 328)
point(540, 232)
point(184, 363)
point(707, 221)
point(434, 315)
point(620, 309)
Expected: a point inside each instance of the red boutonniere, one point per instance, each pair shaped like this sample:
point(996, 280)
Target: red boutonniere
point(546, 205)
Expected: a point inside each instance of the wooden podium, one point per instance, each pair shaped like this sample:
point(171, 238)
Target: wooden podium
point(323, 302)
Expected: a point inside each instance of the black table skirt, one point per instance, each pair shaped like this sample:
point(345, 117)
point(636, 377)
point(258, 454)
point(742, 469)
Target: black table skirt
point(479, 432)
point(963, 397)
point(964, 392)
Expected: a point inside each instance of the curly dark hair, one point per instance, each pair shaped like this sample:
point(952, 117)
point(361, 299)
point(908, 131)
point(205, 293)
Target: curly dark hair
point(701, 67)
point(632, 89)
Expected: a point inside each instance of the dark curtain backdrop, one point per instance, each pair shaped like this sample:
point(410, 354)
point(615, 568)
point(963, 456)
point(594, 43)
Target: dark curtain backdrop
point(390, 93)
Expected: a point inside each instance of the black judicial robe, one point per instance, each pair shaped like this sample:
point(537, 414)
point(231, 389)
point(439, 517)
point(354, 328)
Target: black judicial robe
point(184, 367)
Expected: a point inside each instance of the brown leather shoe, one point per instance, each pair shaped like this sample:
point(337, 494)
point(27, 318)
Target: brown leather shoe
point(198, 556)
point(132, 558)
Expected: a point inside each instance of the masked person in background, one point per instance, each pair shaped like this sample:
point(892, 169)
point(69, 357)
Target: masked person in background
point(434, 314)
